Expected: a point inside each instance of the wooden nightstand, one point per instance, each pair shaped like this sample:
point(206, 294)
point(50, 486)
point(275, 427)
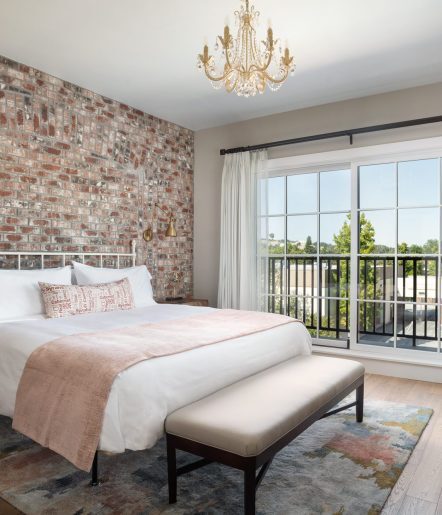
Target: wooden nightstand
point(188, 301)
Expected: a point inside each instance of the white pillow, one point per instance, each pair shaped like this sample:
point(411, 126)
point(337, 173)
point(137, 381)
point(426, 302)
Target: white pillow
point(20, 295)
point(139, 278)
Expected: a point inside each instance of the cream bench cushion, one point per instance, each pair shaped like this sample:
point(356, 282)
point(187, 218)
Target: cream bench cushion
point(249, 416)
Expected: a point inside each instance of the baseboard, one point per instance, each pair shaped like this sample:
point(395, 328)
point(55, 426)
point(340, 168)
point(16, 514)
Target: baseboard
point(418, 372)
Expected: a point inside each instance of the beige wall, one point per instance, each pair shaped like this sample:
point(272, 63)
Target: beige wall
point(389, 107)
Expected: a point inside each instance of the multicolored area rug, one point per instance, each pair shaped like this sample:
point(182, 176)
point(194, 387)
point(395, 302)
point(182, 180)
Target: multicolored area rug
point(336, 467)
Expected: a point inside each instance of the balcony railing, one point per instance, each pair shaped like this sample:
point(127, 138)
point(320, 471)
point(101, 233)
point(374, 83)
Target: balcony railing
point(293, 290)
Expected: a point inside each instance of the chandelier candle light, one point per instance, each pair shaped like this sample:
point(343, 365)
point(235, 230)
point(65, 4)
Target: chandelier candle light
point(242, 64)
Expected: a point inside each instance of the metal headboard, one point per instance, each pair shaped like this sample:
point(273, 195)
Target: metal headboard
point(66, 255)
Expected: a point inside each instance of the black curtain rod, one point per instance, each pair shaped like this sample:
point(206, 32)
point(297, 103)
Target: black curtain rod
point(338, 134)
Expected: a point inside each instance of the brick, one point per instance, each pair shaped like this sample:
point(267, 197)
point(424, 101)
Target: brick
point(72, 182)
point(13, 237)
point(51, 167)
point(51, 150)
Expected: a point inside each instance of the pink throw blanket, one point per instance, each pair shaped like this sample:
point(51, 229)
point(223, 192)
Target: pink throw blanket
point(65, 385)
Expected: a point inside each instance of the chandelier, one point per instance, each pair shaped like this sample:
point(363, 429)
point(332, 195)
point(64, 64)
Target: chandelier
point(243, 64)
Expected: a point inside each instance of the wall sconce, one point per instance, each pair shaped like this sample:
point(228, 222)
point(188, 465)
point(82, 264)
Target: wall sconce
point(170, 231)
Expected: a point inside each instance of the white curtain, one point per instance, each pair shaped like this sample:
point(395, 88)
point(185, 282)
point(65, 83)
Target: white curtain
point(237, 287)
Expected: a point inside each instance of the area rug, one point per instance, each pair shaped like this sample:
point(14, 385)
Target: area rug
point(336, 467)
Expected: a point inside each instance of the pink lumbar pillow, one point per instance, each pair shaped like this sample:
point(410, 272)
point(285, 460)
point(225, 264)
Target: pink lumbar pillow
point(65, 300)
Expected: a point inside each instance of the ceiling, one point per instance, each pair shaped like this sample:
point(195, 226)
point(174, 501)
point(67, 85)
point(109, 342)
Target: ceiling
point(143, 52)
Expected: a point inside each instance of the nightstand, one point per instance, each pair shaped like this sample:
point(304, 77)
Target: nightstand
point(188, 301)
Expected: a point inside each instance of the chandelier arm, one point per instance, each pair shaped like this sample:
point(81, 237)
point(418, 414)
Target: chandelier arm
point(256, 68)
point(213, 78)
point(224, 44)
point(217, 79)
point(233, 87)
point(274, 79)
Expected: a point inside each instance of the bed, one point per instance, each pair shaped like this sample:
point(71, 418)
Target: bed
point(143, 395)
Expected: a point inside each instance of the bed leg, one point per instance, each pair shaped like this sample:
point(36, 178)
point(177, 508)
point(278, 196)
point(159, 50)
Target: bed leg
point(94, 471)
point(171, 472)
point(360, 403)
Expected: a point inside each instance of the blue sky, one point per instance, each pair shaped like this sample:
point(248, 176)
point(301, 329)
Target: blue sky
point(418, 184)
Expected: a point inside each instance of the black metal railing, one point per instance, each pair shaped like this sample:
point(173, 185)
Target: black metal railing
point(293, 290)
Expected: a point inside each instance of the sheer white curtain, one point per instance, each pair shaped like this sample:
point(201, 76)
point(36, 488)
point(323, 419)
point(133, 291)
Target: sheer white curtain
point(238, 279)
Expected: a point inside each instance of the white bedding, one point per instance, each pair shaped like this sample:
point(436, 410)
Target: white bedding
point(143, 395)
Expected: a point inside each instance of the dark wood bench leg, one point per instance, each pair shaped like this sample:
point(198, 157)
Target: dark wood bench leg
point(249, 490)
point(360, 403)
point(171, 472)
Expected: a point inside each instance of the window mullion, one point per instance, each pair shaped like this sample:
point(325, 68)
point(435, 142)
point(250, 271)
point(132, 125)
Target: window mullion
point(438, 274)
point(396, 261)
point(354, 275)
point(318, 263)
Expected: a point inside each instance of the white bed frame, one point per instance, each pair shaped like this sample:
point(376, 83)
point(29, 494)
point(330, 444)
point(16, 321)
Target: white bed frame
point(66, 257)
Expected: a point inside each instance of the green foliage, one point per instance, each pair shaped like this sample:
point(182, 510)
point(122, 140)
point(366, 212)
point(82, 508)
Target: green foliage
point(309, 248)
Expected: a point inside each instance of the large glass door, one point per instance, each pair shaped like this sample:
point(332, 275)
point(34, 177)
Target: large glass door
point(398, 254)
point(305, 234)
point(354, 252)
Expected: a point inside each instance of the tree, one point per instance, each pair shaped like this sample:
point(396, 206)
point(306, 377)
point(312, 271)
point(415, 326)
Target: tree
point(309, 247)
point(342, 242)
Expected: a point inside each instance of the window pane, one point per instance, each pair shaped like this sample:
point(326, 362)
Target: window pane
point(275, 275)
point(303, 308)
point(301, 276)
point(301, 234)
point(272, 235)
point(377, 186)
point(336, 190)
point(416, 327)
point(417, 279)
point(275, 304)
point(272, 196)
point(375, 325)
point(418, 231)
point(377, 232)
point(302, 193)
point(334, 319)
point(335, 233)
point(376, 278)
point(418, 182)
point(335, 277)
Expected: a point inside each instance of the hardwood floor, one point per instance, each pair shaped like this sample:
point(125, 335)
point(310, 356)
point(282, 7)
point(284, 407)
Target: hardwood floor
point(7, 509)
point(419, 489)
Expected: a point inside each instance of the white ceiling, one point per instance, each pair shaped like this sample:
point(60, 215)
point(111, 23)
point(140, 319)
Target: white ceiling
point(143, 52)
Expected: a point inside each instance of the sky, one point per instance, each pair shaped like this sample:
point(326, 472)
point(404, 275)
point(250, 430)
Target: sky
point(417, 184)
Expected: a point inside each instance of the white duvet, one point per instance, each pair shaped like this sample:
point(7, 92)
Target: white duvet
point(143, 395)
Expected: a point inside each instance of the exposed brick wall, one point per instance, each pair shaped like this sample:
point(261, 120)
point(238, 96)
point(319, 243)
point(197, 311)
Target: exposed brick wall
point(81, 173)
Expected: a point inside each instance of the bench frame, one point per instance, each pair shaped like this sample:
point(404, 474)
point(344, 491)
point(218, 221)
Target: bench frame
point(249, 465)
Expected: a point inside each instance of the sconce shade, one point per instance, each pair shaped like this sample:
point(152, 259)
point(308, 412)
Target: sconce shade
point(171, 231)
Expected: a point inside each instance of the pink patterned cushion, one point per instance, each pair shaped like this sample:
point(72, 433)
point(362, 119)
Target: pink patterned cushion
point(63, 300)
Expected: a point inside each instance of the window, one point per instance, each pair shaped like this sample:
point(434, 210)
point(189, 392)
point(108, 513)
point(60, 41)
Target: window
point(305, 237)
point(355, 251)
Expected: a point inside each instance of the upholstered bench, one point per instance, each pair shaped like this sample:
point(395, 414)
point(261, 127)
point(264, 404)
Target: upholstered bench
point(244, 425)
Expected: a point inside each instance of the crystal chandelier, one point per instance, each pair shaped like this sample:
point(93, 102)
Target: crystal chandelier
point(243, 64)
